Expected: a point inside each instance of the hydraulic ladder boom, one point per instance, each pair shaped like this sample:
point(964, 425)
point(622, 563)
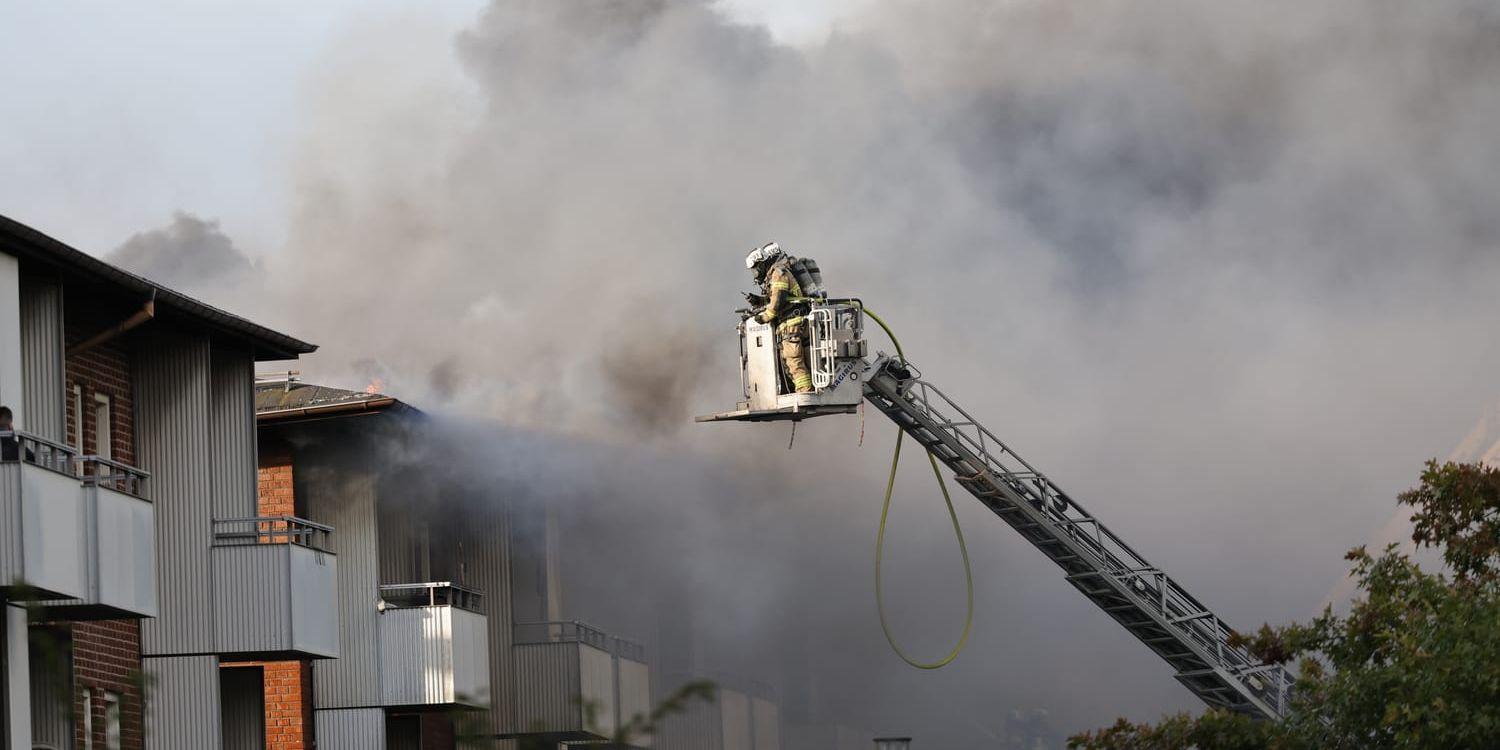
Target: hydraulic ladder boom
point(1135, 593)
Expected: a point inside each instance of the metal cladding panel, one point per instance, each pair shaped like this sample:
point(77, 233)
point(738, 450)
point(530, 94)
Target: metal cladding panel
point(51, 691)
point(314, 600)
point(348, 505)
point(699, 727)
point(487, 536)
point(596, 680)
point(765, 719)
point(242, 690)
point(252, 600)
point(127, 552)
point(350, 728)
point(42, 358)
point(635, 694)
point(547, 688)
point(183, 712)
point(416, 650)
point(232, 394)
point(471, 658)
point(11, 390)
point(734, 708)
point(12, 548)
point(172, 438)
point(53, 525)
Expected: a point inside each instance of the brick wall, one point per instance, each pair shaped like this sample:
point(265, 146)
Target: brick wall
point(102, 370)
point(107, 657)
point(106, 654)
point(277, 497)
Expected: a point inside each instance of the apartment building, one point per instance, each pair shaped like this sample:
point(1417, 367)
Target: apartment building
point(136, 568)
point(448, 611)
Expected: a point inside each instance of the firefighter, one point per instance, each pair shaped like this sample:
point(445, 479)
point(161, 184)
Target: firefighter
point(784, 308)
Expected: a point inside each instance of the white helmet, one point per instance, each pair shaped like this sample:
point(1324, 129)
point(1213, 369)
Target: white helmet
point(762, 254)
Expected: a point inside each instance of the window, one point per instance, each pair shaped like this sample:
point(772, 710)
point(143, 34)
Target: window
point(111, 721)
point(88, 695)
point(78, 417)
point(102, 447)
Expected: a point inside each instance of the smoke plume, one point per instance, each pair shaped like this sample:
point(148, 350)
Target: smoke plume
point(1226, 271)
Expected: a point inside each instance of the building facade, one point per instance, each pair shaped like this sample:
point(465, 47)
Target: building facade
point(136, 570)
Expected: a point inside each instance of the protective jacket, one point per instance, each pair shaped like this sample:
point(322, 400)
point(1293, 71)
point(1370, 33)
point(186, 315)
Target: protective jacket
point(781, 289)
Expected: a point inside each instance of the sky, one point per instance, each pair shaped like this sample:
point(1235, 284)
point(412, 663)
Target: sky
point(1224, 271)
point(120, 115)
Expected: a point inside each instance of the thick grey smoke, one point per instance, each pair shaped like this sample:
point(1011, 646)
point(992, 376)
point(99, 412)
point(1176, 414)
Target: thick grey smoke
point(191, 253)
point(1227, 271)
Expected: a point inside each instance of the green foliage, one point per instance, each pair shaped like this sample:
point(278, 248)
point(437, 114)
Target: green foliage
point(1414, 665)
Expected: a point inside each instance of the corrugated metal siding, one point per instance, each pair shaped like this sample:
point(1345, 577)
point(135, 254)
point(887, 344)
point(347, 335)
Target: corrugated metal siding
point(416, 649)
point(244, 708)
point(252, 604)
point(12, 551)
point(734, 709)
point(635, 694)
point(700, 727)
point(183, 712)
point(471, 659)
point(348, 505)
point(51, 692)
point(350, 728)
point(596, 677)
point(547, 688)
point(488, 536)
point(766, 719)
point(172, 433)
point(314, 596)
point(42, 358)
point(232, 394)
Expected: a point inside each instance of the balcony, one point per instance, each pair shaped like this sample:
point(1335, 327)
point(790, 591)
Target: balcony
point(434, 647)
point(575, 682)
point(76, 535)
point(275, 588)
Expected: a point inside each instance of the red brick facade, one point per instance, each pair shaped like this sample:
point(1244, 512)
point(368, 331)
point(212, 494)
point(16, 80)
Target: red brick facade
point(103, 370)
point(106, 654)
point(107, 659)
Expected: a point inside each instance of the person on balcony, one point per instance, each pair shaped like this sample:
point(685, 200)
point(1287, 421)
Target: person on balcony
point(10, 447)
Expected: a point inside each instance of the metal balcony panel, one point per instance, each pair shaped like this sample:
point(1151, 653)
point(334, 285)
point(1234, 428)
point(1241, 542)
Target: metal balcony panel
point(350, 728)
point(42, 518)
point(127, 552)
point(275, 599)
point(554, 681)
point(434, 656)
point(635, 694)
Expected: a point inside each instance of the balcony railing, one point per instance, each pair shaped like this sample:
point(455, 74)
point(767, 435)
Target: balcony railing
point(113, 475)
point(435, 594)
point(230, 532)
point(573, 631)
point(16, 445)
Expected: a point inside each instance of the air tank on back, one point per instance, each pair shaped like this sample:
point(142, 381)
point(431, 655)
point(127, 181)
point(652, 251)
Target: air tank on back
point(809, 277)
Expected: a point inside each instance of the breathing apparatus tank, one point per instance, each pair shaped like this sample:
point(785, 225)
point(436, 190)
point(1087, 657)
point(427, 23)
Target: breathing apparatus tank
point(808, 277)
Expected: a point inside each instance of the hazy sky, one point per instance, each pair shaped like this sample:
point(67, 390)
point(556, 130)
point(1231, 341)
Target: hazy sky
point(116, 115)
point(1226, 271)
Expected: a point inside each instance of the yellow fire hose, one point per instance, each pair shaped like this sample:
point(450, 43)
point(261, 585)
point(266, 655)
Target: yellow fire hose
point(885, 510)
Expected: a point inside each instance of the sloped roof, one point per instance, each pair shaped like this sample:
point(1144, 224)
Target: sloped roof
point(24, 242)
point(281, 400)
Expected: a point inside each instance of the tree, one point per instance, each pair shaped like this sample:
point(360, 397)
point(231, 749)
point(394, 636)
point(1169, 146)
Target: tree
point(1416, 662)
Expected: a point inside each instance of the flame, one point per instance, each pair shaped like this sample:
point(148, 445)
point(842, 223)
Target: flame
point(376, 386)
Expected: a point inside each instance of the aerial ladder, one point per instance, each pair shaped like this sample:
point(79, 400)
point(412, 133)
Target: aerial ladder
point(1138, 595)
